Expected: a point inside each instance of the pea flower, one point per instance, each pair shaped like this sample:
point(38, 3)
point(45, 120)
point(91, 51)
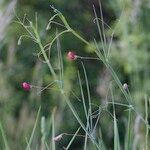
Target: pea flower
point(26, 86)
point(71, 56)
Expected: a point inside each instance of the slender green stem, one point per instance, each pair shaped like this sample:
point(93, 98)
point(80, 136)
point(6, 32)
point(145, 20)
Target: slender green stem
point(128, 137)
point(74, 135)
point(79, 37)
point(89, 97)
point(44, 54)
point(79, 120)
point(120, 104)
point(114, 75)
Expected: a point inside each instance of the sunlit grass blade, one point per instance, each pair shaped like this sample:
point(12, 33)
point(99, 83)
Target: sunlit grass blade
point(100, 139)
point(146, 119)
point(61, 69)
point(99, 31)
point(98, 51)
point(82, 95)
point(34, 128)
point(89, 97)
point(87, 128)
point(110, 44)
point(85, 141)
point(128, 132)
point(4, 137)
point(53, 129)
point(43, 132)
point(27, 142)
point(72, 139)
point(103, 27)
point(116, 134)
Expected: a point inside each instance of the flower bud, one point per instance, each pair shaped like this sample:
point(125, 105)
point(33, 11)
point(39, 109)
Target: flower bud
point(58, 138)
point(26, 86)
point(125, 86)
point(71, 55)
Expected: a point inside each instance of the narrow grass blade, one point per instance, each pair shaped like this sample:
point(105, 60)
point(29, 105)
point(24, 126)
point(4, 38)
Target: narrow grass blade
point(87, 128)
point(116, 135)
point(103, 28)
point(98, 51)
point(100, 33)
point(80, 122)
point(73, 138)
point(100, 141)
point(4, 137)
point(43, 132)
point(53, 129)
point(85, 142)
point(60, 61)
point(114, 75)
point(82, 94)
point(89, 97)
point(97, 120)
point(33, 131)
point(128, 135)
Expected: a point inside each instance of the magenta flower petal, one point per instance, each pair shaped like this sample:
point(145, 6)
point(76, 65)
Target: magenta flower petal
point(71, 55)
point(26, 86)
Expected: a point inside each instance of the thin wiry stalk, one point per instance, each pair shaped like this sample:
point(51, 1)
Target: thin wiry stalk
point(94, 128)
point(61, 68)
point(38, 41)
point(98, 52)
point(89, 97)
point(103, 28)
point(82, 94)
point(88, 129)
point(110, 43)
point(100, 33)
point(56, 37)
point(120, 104)
point(73, 138)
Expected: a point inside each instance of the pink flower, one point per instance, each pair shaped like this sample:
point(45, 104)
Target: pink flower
point(26, 86)
point(58, 138)
point(71, 55)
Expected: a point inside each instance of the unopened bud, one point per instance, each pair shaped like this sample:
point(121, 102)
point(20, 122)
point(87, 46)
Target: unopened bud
point(125, 86)
point(58, 138)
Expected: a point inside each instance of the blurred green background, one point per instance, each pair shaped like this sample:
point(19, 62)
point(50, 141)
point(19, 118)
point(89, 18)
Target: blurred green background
point(130, 57)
